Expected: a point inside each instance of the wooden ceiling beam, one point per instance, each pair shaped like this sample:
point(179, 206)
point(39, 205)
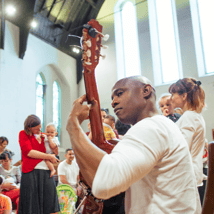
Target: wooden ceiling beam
point(2, 27)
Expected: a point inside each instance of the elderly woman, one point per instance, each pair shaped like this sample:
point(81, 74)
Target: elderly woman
point(38, 193)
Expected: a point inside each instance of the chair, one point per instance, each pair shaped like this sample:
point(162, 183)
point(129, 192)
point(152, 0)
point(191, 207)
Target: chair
point(208, 206)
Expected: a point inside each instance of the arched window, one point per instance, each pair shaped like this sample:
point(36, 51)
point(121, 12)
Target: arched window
point(40, 101)
point(57, 106)
point(126, 36)
point(167, 66)
point(202, 19)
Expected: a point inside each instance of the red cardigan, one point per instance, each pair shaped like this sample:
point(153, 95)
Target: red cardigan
point(27, 143)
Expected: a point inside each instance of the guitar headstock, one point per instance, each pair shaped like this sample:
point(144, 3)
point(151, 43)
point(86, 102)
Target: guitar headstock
point(91, 44)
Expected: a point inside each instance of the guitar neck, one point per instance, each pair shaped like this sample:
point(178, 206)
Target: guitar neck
point(95, 115)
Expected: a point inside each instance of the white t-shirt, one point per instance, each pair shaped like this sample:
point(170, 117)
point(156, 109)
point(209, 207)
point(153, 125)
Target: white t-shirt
point(71, 171)
point(192, 126)
point(153, 165)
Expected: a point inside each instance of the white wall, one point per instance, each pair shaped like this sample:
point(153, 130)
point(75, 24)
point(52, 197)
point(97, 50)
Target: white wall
point(18, 84)
point(106, 71)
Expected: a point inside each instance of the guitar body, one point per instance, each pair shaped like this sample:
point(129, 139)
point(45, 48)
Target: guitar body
point(91, 43)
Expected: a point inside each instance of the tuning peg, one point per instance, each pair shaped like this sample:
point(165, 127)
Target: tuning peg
point(103, 56)
point(88, 53)
point(88, 63)
point(105, 37)
point(88, 42)
point(104, 46)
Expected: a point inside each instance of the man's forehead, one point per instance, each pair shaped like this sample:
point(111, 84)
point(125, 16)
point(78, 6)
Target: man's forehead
point(131, 82)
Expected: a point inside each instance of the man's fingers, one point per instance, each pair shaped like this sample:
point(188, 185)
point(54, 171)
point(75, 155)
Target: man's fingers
point(82, 99)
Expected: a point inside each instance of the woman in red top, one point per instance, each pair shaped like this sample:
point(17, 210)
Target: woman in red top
point(37, 191)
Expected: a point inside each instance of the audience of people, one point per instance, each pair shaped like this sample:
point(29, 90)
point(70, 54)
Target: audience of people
point(37, 194)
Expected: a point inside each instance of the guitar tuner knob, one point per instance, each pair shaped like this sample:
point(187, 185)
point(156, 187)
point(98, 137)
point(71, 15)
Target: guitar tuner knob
point(103, 56)
point(106, 37)
point(104, 46)
point(88, 63)
point(88, 42)
point(88, 53)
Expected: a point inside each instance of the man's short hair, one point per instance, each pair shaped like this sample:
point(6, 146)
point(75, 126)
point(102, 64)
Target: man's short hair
point(67, 150)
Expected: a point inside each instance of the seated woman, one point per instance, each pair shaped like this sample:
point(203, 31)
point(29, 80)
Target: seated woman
point(12, 178)
point(3, 144)
point(5, 202)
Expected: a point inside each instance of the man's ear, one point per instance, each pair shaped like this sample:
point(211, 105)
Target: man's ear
point(147, 91)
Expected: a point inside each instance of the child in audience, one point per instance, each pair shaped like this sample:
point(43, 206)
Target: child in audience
point(51, 144)
point(110, 120)
point(166, 107)
point(5, 202)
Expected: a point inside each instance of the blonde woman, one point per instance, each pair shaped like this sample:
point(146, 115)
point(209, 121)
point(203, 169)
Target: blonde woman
point(188, 95)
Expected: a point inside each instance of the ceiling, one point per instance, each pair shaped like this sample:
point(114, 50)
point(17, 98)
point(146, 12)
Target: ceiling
point(56, 20)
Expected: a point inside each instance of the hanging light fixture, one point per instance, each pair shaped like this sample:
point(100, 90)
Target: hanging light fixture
point(34, 24)
point(10, 10)
point(76, 50)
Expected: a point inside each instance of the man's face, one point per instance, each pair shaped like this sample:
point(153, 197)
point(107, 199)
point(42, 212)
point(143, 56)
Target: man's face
point(69, 155)
point(127, 101)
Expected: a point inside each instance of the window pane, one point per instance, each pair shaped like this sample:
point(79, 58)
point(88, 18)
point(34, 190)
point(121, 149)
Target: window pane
point(130, 40)
point(206, 15)
point(40, 99)
point(167, 41)
point(56, 106)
